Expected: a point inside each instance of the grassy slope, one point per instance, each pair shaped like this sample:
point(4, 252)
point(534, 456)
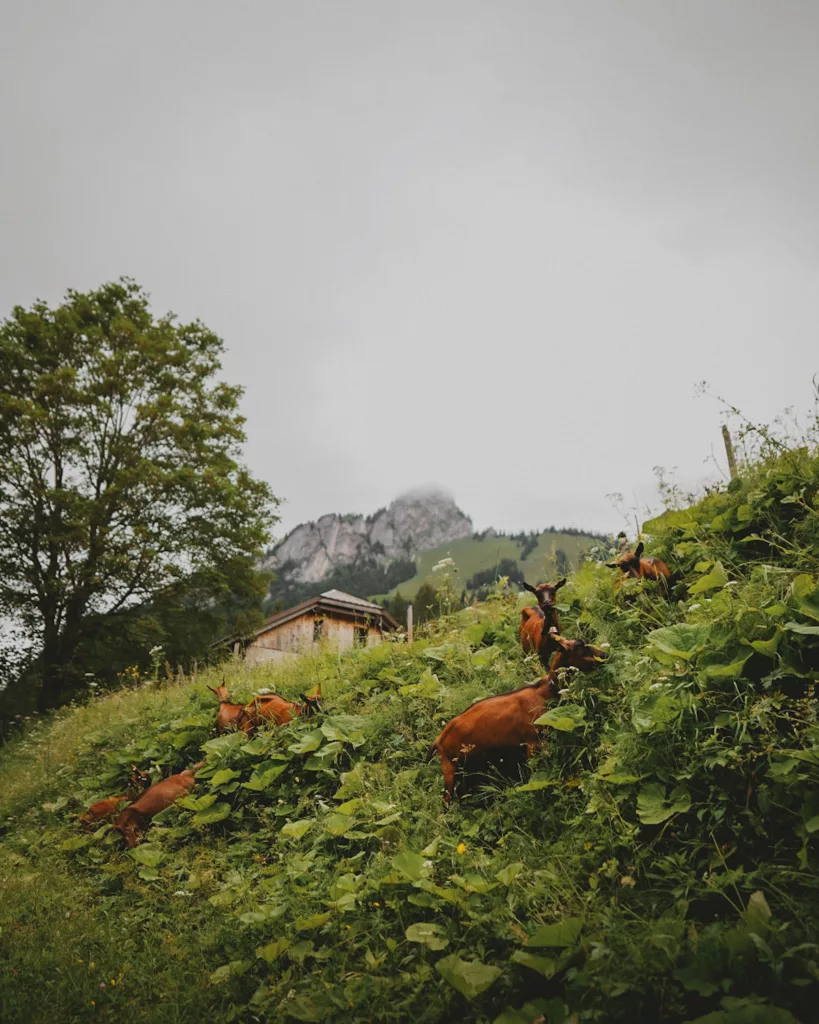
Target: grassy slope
point(672, 819)
point(472, 556)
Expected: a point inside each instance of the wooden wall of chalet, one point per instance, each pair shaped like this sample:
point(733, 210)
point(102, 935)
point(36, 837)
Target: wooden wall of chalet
point(290, 639)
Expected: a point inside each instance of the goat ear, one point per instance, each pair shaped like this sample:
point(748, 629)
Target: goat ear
point(561, 583)
point(528, 586)
point(639, 549)
point(213, 691)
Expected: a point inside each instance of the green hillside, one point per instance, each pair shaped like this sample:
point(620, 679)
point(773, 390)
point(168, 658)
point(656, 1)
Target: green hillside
point(657, 863)
point(471, 555)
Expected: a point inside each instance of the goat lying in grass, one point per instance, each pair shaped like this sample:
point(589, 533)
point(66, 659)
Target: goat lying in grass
point(134, 821)
point(633, 565)
point(106, 810)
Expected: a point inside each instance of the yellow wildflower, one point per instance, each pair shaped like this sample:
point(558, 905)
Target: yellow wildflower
point(460, 848)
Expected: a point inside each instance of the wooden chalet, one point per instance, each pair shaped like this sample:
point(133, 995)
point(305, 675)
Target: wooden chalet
point(338, 619)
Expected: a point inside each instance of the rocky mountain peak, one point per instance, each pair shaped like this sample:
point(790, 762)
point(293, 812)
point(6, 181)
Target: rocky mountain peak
point(415, 521)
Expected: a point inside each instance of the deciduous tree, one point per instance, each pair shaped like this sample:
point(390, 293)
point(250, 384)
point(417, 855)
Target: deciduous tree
point(120, 468)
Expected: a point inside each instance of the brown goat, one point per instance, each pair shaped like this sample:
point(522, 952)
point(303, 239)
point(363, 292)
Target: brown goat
point(230, 716)
point(633, 565)
point(536, 621)
point(106, 810)
point(506, 721)
point(272, 707)
point(135, 820)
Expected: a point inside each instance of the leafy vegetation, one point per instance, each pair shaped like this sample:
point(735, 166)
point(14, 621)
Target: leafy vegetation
point(658, 861)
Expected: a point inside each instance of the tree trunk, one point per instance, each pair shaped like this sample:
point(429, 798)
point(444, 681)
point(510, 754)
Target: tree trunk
point(52, 674)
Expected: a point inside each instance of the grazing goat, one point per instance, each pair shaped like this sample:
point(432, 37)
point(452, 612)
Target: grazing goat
point(106, 810)
point(271, 706)
point(231, 716)
point(506, 721)
point(135, 820)
point(536, 621)
point(632, 564)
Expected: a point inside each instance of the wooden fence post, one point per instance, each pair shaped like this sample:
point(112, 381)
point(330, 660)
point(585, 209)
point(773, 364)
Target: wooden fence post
point(410, 632)
point(729, 451)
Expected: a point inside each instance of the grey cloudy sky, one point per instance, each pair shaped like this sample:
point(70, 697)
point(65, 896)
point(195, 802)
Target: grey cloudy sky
point(490, 246)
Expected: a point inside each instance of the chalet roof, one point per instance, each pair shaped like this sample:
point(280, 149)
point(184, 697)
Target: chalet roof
point(339, 595)
point(329, 601)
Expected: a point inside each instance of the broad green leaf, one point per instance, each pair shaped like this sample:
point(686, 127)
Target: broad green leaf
point(304, 1008)
point(469, 977)
point(351, 806)
point(767, 647)
point(338, 824)
point(565, 718)
point(672, 518)
point(653, 807)
point(55, 805)
point(273, 950)
point(228, 971)
point(75, 843)
point(798, 627)
point(352, 782)
point(812, 824)
point(310, 924)
point(263, 776)
point(547, 966)
point(806, 593)
point(617, 779)
point(681, 641)
point(257, 747)
point(149, 856)
point(257, 918)
point(308, 743)
point(296, 829)
point(694, 980)
point(198, 803)
point(427, 934)
point(745, 513)
point(732, 671)
point(533, 785)
point(351, 729)
point(427, 686)
point(757, 914)
point(411, 865)
point(224, 745)
point(713, 580)
point(508, 874)
point(223, 776)
point(324, 757)
point(558, 936)
point(213, 814)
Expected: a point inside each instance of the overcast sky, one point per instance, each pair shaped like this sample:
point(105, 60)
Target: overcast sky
point(489, 246)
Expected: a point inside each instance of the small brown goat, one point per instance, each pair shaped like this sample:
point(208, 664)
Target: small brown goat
point(230, 716)
point(107, 809)
point(135, 820)
point(632, 564)
point(272, 707)
point(506, 721)
point(537, 621)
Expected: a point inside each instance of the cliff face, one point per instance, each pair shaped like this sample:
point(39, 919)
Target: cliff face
point(414, 522)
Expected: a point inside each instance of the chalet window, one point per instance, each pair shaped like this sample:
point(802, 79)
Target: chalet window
point(361, 636)
point(318, 630)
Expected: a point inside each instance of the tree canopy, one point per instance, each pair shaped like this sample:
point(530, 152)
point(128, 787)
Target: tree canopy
point(121, 479)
